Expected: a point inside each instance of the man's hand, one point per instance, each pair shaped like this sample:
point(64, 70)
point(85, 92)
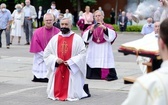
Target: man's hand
point(59, 61)
point(29, 18)
point(102, 26)
point(65, 63)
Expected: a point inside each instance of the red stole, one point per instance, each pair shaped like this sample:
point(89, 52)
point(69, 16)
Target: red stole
point(64, 50)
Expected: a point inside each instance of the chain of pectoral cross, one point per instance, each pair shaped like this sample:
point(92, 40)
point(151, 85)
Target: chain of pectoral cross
point(97, 35)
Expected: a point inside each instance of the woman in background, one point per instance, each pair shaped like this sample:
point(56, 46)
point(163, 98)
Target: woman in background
point(17, 24)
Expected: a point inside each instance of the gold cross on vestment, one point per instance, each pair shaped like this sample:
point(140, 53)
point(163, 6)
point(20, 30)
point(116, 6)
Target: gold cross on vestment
point(64, 47)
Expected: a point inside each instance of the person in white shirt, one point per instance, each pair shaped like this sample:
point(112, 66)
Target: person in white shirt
point(68, 15)
point(88, 17)
point(152, 88)
point(148, 27)
point(40, 14)
point(29, 15)
point(53, 10)
point(17, 24)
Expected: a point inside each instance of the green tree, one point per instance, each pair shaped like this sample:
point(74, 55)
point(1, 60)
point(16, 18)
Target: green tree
point(18, 1)
point(77, 3)
point(3, 0)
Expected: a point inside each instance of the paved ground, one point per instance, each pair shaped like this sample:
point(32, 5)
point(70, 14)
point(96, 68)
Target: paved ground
point(16, 87)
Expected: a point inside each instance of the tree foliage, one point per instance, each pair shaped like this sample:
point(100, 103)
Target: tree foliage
point(84, 2)
point(3, 0)
point(18, 1)
point(90, 2)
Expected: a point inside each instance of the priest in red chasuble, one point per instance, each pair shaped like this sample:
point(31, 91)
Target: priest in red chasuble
point(65, 60)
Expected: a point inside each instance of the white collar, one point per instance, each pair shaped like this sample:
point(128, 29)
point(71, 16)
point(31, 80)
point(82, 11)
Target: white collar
point(66, 35)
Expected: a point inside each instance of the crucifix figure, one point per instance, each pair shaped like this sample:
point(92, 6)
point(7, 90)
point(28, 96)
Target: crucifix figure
point(64, 47)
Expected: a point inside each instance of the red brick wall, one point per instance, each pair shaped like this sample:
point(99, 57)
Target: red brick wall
point(108, 4)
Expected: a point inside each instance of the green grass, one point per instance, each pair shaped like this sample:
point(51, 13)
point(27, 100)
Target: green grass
point(74, 28)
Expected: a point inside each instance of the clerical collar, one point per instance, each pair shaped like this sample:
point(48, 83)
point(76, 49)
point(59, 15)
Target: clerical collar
point(48, 28)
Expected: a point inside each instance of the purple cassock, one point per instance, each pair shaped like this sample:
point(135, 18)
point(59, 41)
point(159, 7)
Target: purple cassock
point(98, 33)
point(41, 37)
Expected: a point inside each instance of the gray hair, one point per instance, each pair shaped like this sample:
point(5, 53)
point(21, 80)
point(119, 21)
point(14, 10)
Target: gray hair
point(48, 14)
point(100, 12)
point(3, 5)
point(70, 22)
point(18, 6)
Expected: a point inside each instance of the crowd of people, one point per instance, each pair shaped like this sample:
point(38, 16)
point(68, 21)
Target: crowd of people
point(64, 59)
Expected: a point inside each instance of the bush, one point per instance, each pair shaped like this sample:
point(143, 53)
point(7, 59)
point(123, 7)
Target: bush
point(116, 27)
point(132, 28)
point(107, 20)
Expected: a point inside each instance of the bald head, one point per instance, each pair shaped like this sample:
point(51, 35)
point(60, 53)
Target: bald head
point(123, 13)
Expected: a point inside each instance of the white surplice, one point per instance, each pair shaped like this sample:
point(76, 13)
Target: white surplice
point(100, 55)
point(39, 67)
point(76, 63)
point(150, 89)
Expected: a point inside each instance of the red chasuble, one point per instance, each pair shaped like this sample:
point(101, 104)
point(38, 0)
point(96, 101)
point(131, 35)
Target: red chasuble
point(64, 50)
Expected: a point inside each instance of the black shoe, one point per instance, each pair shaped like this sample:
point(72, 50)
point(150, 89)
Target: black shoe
point(86, 89)
point(111, 79)
point(112, 75)
point(44, 80)
point(27, 43)
point(8, 46)
point(10, 43)
point(35, 79)
point(40, 79)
